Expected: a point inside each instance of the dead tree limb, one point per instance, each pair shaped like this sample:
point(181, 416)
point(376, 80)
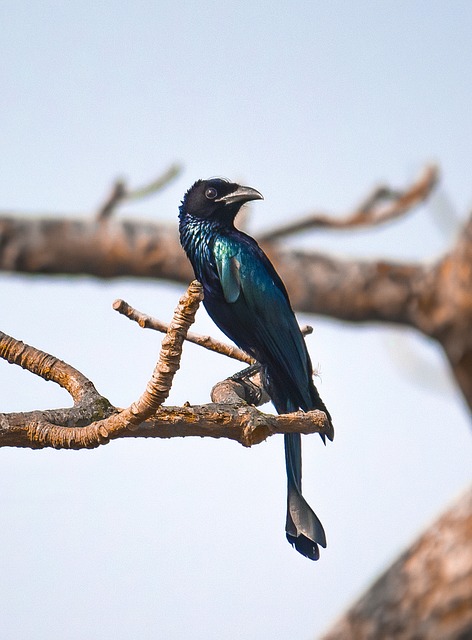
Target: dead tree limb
point(93, 421)
point(380, 206)
point(426, 593)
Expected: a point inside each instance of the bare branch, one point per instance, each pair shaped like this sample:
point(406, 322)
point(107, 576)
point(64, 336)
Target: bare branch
point(354, 290)
point(44, 433)
point(148, 322)
point(239, 422)
point(47, 367)
point(117, 194)
point(156, 185)
point(383, 204)
point(158, 387)
point(93, 421)
point(120, 192)
point(207, 342)
point(85, 246)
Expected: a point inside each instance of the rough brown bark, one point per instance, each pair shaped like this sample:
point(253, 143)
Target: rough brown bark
point(426, 594)
point(66, 428)
point(106, 249)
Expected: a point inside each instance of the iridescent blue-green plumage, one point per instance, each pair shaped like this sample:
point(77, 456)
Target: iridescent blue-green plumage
point(246, 298)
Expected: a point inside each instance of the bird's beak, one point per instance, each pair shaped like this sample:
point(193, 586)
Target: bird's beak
point(241, 194)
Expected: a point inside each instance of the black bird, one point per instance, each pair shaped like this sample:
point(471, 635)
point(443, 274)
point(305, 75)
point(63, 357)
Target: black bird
point(248, 301)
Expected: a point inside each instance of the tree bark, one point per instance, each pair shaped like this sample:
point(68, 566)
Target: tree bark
point(426, 594)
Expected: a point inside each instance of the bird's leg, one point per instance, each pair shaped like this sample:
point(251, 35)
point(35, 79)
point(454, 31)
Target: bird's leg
point(251, 379)
point(246, 372)
point(246, 385)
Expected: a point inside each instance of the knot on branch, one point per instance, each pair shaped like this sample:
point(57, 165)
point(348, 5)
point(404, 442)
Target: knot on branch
point(254, 428)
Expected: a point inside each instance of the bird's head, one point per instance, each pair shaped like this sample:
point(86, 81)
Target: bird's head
point(217, 199)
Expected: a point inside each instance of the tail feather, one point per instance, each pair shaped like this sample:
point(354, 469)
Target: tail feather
point(317, 403)
point(303, 528)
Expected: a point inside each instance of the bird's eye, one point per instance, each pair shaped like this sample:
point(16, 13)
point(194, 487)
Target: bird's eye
point(211, 193)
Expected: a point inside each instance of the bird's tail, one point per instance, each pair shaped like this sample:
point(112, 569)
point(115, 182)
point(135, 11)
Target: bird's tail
point(303, 528)
point(317, 403)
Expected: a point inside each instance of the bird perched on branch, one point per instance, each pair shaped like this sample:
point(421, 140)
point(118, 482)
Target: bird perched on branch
point(246, 298)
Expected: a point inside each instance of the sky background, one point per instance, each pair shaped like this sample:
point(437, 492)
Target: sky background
point(312, 103)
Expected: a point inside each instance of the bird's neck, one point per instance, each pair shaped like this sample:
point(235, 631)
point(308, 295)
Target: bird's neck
point(196, 234)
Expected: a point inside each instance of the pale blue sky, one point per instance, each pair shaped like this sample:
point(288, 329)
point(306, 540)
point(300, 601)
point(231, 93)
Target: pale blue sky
point(312, 104)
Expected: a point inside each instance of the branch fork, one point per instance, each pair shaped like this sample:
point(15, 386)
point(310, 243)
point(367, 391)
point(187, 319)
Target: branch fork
point(93, 421)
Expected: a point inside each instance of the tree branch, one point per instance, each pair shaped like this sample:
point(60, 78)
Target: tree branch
point(93, 420)
point(239, 422)
point(36, 425)
point(346, 289)
point(47, 367)
point(148, 322)
point(81, 246)
point(120, 193)
point(354, 290)
point(382, 205)
point(207, 342)
point(426, 593)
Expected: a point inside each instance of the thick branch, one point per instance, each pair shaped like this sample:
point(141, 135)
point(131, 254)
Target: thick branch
point(70, 428)
point(82, 246)
point(353, 290)
point(345, 289)
point(426, 593)
point(240, 422)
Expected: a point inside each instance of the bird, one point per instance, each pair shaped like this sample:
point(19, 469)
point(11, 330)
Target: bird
point(247, 300)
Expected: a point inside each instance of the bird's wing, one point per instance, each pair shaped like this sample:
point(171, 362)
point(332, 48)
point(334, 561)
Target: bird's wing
point(228, 267)
point(260, 318)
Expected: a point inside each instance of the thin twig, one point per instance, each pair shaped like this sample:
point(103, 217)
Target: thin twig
point(120, 192)
point(148, 322)
point(381, 205)
point(156, 185)
point(207, 342)
point(117, 194)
